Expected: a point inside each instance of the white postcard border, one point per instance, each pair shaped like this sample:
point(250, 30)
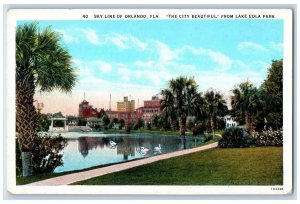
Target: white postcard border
point(76, 14)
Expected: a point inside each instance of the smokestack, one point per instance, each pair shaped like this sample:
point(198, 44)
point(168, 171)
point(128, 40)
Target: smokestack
point(110, 102)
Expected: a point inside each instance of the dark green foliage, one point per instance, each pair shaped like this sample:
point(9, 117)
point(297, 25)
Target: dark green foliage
point(128, 129)
point(43, 122)
point(105, 120)
point(149, 126)
point(180, 100)
point(121, 123)
point(220, 124)
point(235, 137)
point(139, 124)
point(46, 154)
point(199, 129)
point(82, 122)
point(273, 95)
point(190, 124)
point(110, 125)
point(208, 137)
point(115, 120)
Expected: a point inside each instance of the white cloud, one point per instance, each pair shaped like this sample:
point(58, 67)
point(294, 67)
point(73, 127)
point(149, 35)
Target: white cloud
point(144, 64)
point(223, 62)
point(277, 46)
point(225, 82)
point(124, 71)
point(66, 36)
point(92, 36)
point(125, 41)
point(103, 66)
point(119, 41)
point(251, 45)
point(76, 61)
point(165, 53)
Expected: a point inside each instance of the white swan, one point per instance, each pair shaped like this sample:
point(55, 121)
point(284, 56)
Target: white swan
point(157, 148)
point(143, 149)
point(112, 143)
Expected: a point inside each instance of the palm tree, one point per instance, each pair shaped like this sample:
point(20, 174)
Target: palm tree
point(245, 100)
point(167, 107)
point(41, 63)
point(215, 106)
point(179, 99)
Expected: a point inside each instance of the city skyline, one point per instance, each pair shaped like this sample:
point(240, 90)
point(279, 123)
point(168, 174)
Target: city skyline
point(137, 58)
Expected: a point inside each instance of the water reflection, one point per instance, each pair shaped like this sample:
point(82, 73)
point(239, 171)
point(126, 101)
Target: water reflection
point(106, 149)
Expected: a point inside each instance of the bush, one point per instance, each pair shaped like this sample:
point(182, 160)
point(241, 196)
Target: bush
point(136, 127)
point(128, 128)
point(110, 125)
point(236, 137)
point(269, 138)
point(46, 154)
point(199, 129)
point(149, 127)
point(208, 137)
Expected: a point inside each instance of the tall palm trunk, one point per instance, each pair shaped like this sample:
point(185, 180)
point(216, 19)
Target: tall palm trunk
point(26, 122)
point(212, 124)
point(248, 120)
point(182, 125)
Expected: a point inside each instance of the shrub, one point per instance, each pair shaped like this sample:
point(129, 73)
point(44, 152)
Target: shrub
point(208, 137)
point(236, 137)
point(128, 128)
point(269, 138)
point(199, 129)
point(46, 154)
point(136, 127)
point(110, 125)
point(149, 127)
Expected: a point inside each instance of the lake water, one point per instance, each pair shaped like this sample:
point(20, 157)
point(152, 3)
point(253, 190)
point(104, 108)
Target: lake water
point(86, 150)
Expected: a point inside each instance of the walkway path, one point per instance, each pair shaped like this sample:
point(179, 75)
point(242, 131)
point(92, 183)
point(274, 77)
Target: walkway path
point(80, 176)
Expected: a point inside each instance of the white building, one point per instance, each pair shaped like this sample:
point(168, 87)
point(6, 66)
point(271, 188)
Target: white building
point(230, 122)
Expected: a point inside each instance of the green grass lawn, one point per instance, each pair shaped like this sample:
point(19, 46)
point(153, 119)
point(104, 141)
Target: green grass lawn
point(239, 166)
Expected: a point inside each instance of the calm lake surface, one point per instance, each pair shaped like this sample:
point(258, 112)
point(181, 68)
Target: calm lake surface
point(86, 150)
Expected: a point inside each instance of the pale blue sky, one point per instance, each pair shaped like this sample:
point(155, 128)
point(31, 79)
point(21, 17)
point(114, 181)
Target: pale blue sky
point(138, 57)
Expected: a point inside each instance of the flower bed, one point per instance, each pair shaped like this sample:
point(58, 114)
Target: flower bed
point(269, 138)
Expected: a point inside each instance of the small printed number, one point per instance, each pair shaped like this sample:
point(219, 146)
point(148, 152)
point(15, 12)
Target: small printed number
point(277, 189)
point(85, 16)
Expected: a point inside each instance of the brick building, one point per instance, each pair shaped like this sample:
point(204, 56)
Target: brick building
point(150, 108)
point(87, 111)
point(130, 118)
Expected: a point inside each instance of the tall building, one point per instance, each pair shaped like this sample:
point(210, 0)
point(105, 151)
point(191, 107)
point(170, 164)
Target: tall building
point(150, 108)
point(126, 105)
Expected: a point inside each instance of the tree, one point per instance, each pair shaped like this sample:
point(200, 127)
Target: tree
point(245, 100)
point(156, 121)
point(168, 108)
point(181, 98)
point(273, 95)
point(122, 123)
point(115, 121)
point(105, 120)
point(41, 62)
point(215, 106)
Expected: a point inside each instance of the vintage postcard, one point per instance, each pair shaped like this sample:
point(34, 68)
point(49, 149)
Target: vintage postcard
point(150, 101)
